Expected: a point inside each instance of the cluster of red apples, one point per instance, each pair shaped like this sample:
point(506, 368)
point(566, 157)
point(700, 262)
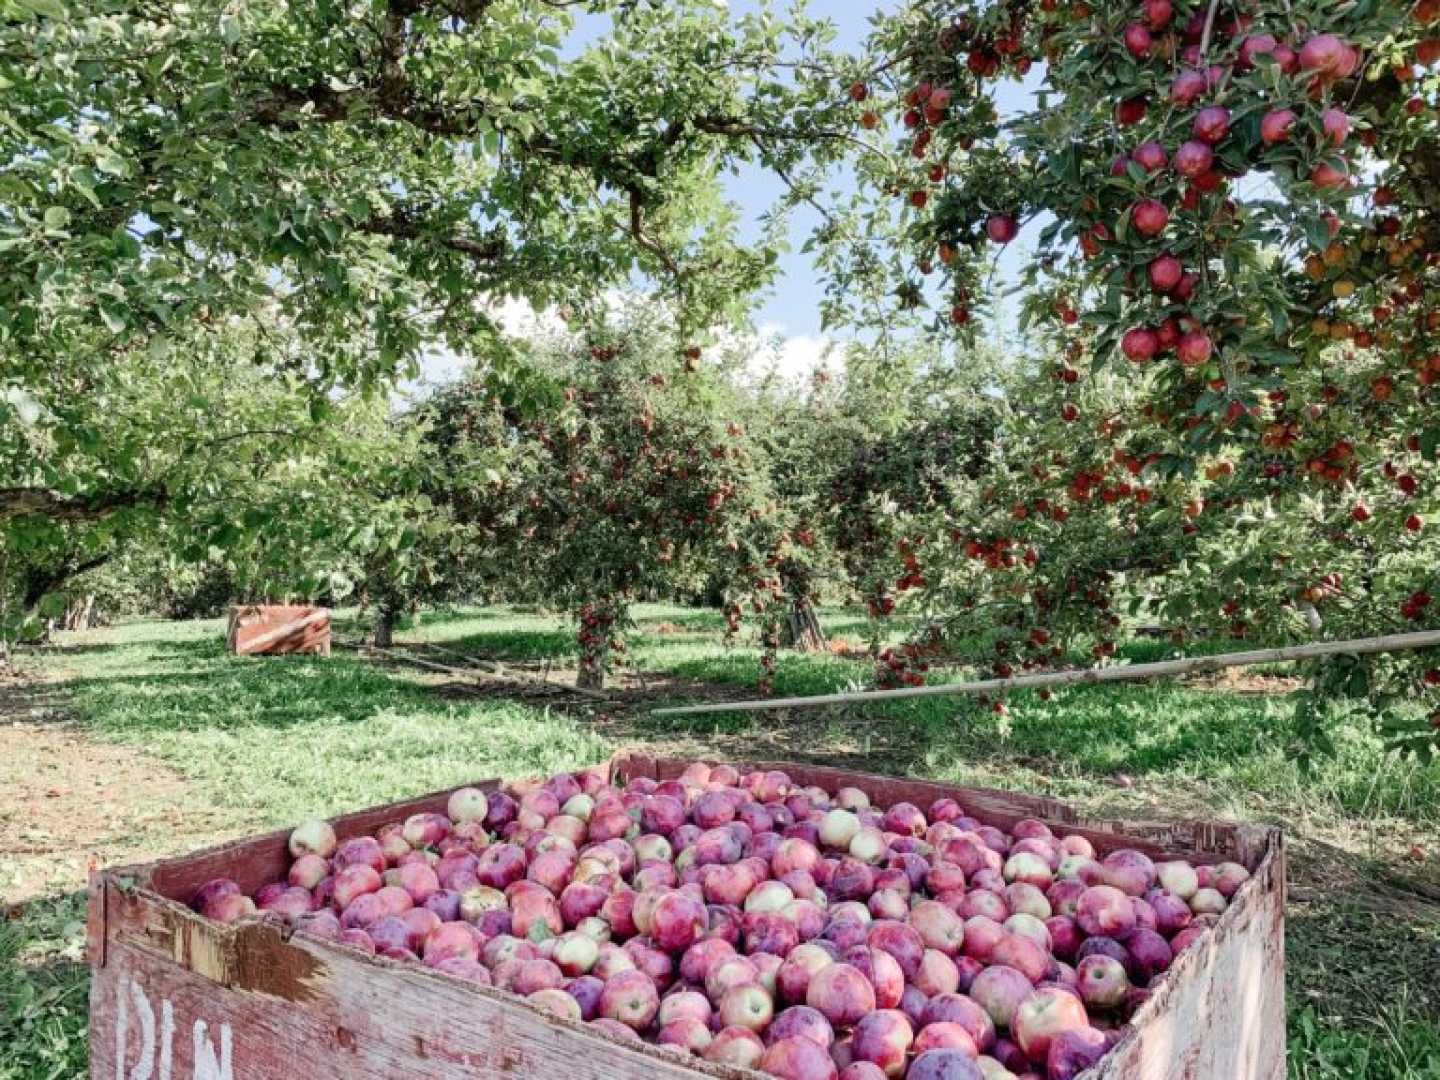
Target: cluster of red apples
point(750, 921)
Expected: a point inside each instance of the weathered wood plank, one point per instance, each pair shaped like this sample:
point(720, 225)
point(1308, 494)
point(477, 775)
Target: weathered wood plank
point(1220, 1011)
point(274, 629)
point(304, 1008)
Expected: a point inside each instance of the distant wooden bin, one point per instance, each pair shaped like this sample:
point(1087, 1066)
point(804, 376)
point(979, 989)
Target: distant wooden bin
point(273, 629)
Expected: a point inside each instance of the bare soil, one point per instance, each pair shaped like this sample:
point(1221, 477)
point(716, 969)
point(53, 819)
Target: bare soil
point(72, 802)
point(1240, 681)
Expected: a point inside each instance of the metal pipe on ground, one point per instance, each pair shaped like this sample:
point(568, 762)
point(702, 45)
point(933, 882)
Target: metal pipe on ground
point(1419, 639)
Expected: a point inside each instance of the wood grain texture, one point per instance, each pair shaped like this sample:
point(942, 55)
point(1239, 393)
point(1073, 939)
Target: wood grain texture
point(297, 1007)
point(278, 629)
point(176, 996)
point(1220, 1011)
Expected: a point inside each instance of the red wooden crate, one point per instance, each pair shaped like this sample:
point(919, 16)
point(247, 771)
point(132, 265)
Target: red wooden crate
point(276, 629)
point(176, 996)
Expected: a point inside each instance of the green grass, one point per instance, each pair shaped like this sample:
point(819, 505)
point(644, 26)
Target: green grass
point(1238, 748)
point(1395, 1042)
point(265, 742)
point(43, 992)
point(288, 737)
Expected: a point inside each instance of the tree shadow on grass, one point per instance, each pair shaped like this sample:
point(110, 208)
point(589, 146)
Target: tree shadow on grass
point(511, 645)
point(67, 649)
point(1358, 929)
point(357, 623)
point(448, 616)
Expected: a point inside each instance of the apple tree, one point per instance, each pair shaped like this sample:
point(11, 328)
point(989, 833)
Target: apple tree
point(189, 454)
point(1234, 278)
point(638, 484)
point(375, 178)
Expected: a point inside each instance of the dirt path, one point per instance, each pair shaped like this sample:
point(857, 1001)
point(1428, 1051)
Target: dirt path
point(68, 801)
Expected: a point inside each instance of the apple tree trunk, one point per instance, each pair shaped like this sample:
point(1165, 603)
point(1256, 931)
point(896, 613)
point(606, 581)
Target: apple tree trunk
point(385, 620)
point(601, 640)
point(80, 613)
point(802, 630)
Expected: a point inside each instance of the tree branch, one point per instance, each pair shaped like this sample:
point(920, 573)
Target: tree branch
point(637, 230)
point(41, 582)
point(387, 92)
point(403, 225)
point(46, 502)
point(1209, 28)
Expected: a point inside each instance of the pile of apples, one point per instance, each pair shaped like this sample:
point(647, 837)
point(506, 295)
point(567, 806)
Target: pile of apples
point(751, 921)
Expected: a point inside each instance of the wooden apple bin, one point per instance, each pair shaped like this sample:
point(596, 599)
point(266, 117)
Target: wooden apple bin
point(176, 996)
point(277, 629)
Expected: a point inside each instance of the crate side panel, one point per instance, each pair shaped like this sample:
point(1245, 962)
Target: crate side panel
point(312, 639)
point(1221, 1010)
point(361, 1021)
point(262, 630)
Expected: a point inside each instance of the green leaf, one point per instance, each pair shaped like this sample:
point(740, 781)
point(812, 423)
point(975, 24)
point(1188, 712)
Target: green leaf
point(1317, 232)
point(109, 162)
point(114, 318)
point(1430, 444)
point(56, 217)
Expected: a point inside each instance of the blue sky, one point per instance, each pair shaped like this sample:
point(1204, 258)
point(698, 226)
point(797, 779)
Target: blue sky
point(794, 308)
point(791, 311)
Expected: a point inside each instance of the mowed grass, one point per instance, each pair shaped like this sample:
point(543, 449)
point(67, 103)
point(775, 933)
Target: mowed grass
point(266, 742)
point(1238, 751)
point(283, 738)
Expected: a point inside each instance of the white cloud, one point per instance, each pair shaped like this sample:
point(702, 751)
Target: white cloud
point(770, 351)
point(518, 318)
point(800, 356)
point(791, 357)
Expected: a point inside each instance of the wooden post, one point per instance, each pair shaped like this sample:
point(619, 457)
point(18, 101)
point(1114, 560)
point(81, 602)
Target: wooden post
point(1420, 639)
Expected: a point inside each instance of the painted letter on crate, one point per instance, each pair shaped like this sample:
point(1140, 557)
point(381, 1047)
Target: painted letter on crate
point(206, 1065)
point(131, 993)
